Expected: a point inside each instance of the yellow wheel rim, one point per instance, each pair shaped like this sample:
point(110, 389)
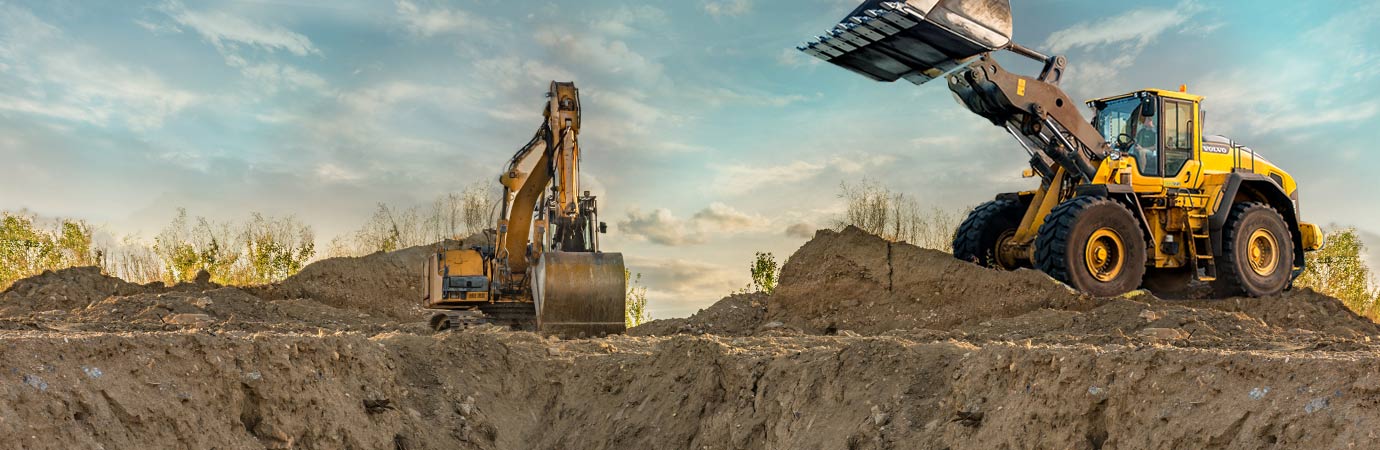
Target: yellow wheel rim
point(1105, 254)
point(1262, 252)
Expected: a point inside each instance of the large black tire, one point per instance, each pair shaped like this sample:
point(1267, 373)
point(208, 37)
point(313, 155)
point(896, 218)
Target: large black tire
point(977, 237)
point(1241, 271)
point(1094, 244)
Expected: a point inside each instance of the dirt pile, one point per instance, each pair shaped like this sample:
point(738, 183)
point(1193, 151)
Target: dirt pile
point(735, 315)
point(504, 390)
point(851, 282)
point(865, 344)
point(64, 289)
point(380, 284)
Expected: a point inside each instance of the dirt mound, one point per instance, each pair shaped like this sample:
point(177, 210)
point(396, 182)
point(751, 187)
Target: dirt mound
point(735, 315)
point(500, 390)
point(852, 280)
point(380, 284)
point(64, 289)
point(954, 357)
point(217, 309)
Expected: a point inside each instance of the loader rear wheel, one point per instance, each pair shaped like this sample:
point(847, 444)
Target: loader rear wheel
point(1093, 244)
point(1257, 252)
point(980, 237)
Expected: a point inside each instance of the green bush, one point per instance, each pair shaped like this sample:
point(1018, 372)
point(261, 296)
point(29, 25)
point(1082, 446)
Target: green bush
point(635, 311)
point(1338, 270)
point(27, 248)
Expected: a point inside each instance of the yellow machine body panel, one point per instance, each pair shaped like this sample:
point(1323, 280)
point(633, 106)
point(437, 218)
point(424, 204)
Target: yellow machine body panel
point(456, 278)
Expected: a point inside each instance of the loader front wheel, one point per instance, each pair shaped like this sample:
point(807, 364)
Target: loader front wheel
point(990, 226)
point(1093, 244)
point(1257, 252)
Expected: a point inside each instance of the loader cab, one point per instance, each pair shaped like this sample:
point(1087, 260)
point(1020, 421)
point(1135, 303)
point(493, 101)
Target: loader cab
point(1158, 129)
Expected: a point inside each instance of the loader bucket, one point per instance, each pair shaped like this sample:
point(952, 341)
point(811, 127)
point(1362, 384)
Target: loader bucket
point(918, 40)
point(579, 294)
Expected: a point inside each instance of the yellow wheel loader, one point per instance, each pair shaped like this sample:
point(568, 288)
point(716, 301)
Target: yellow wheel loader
point(1136, 197)
point(542, 269)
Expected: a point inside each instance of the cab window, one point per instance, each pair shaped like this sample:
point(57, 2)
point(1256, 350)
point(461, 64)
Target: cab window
point(1178, 135)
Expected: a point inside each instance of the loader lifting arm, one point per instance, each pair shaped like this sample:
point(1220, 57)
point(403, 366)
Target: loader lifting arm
point(922, 40)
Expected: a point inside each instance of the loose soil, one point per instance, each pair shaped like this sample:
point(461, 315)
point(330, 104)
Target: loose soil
point(864, 344)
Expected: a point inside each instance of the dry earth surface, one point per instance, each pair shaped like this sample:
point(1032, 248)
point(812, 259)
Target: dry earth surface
point(865, 344)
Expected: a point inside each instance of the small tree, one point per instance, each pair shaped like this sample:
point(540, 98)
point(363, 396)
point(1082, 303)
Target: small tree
point(276, 248)
point(635, 311)
point(28, 248)
point(764, 272)
point(1338, 270)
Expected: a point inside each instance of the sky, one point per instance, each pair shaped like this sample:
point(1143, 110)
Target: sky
point(705, 134)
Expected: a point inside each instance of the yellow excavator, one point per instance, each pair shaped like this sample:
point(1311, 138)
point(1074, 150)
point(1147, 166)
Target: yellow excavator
point(541, 269)
point(1136, 197)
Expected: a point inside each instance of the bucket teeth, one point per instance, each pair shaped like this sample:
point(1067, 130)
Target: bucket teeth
point(875, 21)
point(860, 26)
point(915, 40)
point(856, 39)
point(837, 43)
point(808, 50)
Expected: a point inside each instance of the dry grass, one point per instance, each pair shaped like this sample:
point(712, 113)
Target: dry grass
point(896, 216)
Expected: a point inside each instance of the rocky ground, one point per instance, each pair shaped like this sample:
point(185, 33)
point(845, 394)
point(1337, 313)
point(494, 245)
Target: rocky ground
point(865, 344)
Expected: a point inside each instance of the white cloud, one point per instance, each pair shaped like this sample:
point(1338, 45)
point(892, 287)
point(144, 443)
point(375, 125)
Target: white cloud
point(226, 30)
point(272, 76)
point(790, 57)
point(596, 53)
point(437, 21)
point(738, 179)
point(721, 218)
point(50, 75)
point(742, 178)
point(1110, 44)
point(682, 277)
point(728, 8)
point(331, 172)
point(721, 95)
point(1134, 29)
point(662, 227)
point(229, 33)
point(801, 230)
point(658, 227)
point(1315, 88)
point(629, 20)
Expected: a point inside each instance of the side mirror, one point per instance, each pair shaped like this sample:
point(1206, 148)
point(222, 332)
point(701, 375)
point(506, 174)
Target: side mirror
point(603, 228)
point(1147, 107)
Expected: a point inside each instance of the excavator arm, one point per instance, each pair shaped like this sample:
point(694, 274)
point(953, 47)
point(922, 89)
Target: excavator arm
point(548, 247)
point(546, 266)
point(542, 207)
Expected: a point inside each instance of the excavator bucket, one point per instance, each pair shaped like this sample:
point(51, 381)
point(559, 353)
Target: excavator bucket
point(579, 294)
point(918, 40)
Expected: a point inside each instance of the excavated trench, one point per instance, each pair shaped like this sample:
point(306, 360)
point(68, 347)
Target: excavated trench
point(865, 344)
